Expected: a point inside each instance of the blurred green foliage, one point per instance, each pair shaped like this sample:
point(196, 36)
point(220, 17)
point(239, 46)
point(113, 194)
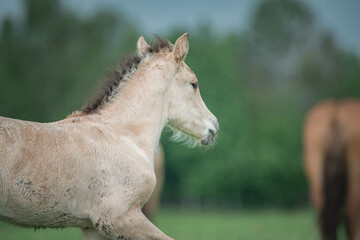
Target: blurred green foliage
point(259, 83)
point(49, 62)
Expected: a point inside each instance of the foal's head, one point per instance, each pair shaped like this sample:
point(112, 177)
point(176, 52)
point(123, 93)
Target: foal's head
point(187, 113)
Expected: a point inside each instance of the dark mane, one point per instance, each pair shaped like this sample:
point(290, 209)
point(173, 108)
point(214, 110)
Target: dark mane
point(120, 75)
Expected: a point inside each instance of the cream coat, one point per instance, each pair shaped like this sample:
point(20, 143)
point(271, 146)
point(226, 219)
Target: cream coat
point(96, 171)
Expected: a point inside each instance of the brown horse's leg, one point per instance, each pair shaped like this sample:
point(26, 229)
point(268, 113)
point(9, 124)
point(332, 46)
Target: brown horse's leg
point(334, 182)
point(316, 191)
point(352, 214)
point(313, 166)
point(353, 197)
point(313, 169)
point(150, 208)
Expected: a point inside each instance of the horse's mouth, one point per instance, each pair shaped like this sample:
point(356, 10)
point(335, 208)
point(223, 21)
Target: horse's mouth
point(209, 138)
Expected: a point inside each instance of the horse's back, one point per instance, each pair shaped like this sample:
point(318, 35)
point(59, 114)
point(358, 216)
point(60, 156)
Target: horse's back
point(9, 149)
point(319, 122)
point(14, 140)
point(15, 137)
point(9, 137)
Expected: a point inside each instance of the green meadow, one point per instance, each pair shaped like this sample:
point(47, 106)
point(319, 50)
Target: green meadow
point(207, 225)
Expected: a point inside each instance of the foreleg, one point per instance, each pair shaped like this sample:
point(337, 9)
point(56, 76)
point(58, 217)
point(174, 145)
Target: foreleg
point(130, 226)
point(92, 234)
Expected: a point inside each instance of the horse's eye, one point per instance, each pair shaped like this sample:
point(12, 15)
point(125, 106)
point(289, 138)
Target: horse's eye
point(195, 85)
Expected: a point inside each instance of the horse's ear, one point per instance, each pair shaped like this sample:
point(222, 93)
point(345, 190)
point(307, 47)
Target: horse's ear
point(181, 48)
point(142, 46)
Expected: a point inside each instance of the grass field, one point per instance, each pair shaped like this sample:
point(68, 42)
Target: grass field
point(209, 225)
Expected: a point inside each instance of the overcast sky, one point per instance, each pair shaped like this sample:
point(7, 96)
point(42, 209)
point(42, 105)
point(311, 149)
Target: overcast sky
point(342, 17)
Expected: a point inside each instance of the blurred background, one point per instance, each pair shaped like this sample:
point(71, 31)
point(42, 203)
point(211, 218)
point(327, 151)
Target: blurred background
point(261, 65)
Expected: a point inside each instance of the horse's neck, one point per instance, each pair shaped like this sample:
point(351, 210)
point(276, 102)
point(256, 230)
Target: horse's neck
point(138, 110)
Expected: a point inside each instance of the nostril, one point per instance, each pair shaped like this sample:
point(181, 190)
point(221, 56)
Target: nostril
point(212, 132)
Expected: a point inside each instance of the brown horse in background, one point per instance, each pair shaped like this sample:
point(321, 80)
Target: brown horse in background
point(332, 164)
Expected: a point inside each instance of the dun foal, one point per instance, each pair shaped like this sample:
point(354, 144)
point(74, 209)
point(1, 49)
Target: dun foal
point(95, 169)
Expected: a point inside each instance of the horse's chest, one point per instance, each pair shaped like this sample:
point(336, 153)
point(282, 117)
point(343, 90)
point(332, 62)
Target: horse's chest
point(136, 181)
point(145, 185)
